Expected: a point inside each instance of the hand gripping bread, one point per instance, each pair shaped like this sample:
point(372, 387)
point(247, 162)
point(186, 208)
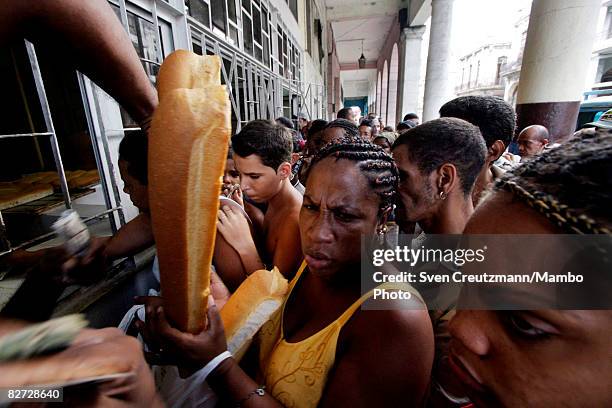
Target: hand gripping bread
point(188, 143)
point(250, 306)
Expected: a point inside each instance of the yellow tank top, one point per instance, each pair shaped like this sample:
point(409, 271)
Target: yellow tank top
point(295, 374)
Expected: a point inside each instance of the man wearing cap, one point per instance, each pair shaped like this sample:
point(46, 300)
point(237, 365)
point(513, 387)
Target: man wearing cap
point(603, 121)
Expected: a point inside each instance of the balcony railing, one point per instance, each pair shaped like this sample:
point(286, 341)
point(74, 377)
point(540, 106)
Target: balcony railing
point(479, 85)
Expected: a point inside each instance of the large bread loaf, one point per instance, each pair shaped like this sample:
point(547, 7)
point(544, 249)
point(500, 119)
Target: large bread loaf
point(188, 144)
point(259, 296)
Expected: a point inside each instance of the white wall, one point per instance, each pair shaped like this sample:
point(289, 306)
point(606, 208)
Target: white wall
point(314, 70)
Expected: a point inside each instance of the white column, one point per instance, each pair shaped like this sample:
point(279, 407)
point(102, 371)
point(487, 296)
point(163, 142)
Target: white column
point(411, 39)
point(437, 90)
point(557, 50)
point(555, 64)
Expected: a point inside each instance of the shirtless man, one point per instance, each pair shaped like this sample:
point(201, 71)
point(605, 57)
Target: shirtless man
point(262, 155)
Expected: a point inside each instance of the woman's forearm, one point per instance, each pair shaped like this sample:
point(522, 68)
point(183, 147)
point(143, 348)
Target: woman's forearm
point(231, 382)
point(251, 261)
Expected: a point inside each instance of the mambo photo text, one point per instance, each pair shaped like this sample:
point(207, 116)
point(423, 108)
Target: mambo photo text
point(458, 277)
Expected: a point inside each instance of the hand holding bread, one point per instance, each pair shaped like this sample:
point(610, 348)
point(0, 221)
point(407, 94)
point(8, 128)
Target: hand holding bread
point(233, 328)
point(189, 352)
point(188, 147)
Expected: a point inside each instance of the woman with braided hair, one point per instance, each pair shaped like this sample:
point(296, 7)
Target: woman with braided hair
point(542, 358)
point(331, 132)
point(321, 348)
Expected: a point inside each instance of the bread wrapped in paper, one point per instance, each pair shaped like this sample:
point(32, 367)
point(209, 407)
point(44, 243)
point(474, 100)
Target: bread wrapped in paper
point(254, 302)
point(188, 143)
point(250, 306)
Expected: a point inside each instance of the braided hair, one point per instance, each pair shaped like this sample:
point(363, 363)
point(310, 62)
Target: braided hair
point(570, 185)
point(377, 166)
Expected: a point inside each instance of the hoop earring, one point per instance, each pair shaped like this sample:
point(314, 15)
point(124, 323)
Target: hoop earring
point(442, 195)
point(381, 231)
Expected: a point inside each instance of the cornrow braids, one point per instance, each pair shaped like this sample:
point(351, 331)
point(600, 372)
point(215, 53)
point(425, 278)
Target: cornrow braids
point(377, 166)
point(570, 185)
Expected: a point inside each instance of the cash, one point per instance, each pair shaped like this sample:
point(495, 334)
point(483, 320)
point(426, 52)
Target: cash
point(52, 335)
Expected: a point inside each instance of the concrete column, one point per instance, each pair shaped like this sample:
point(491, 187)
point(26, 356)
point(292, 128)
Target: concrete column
point(437, 87)
point(555, 64)
point(409, 70)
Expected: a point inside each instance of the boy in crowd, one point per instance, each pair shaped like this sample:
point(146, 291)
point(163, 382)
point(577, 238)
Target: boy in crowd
point(413, 117)
point(262, 155)
point(496, 120)
point(346, 113)
point(366, 130)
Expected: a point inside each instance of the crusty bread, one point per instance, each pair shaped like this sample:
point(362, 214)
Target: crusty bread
point(188, 144)
point(14, 194)
point(74, 179)
point(186, 70)
point(84, 179)
point(250, 306)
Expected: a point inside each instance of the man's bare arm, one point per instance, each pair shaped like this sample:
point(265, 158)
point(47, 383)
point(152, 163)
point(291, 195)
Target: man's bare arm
point(132, 238)
point(89, 36)
point(288, 250)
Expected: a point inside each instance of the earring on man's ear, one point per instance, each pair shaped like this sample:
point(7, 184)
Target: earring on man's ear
point(442, 195)
point(381, 231)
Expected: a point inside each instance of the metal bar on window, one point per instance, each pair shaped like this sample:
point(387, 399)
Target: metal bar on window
point(123, 13)
point(203, 43)
point(160, 56)
point(237, 110)
point(96, 149)
point(107, 154)
point(5, 245)
point(251, 96)
point(249, 92)
point(25, 135)
point(46, 111)
point(148, 61)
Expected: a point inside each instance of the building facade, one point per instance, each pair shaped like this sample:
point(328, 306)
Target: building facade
point(511, 71)
point(600, 72)
point(275, 60)
point(480, 71)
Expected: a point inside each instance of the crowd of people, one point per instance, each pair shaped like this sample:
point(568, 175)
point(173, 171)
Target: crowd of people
point(304, 195)
point(438, 177)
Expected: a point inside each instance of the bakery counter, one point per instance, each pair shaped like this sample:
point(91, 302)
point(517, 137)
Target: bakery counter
point(105, 302)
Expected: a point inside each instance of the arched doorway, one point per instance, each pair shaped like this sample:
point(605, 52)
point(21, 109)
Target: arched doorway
point(393, 74)
point(384, 90)
point(378, 85)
